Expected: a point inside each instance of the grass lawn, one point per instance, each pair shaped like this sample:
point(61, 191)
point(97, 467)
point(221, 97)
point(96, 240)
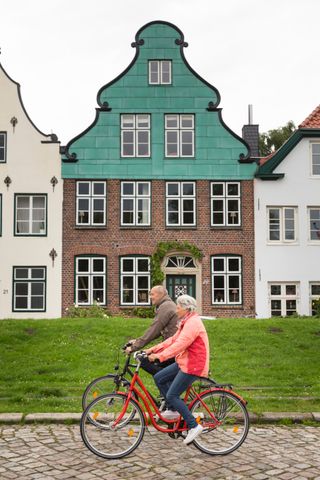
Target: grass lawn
point(46, 364)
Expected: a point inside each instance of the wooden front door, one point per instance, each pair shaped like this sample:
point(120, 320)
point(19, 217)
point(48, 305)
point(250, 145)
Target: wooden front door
point(181, 285)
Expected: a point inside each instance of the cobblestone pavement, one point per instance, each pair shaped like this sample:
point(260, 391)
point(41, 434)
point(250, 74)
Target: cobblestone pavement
point(57, 452)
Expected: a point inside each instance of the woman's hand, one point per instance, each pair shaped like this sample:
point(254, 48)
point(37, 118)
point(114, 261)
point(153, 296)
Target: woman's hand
point(152, 357)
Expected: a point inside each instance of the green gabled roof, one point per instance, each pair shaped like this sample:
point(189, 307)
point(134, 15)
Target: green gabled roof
point(219, 152)
point(265, 171)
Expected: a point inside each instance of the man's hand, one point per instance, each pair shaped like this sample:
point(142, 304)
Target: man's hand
point(152, 357)
point(128, 350)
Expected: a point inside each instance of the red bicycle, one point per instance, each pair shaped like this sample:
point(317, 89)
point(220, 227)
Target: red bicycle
point(113, 425)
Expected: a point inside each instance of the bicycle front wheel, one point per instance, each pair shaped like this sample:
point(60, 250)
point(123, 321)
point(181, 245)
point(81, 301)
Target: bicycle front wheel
point(226, 428)
point(103, 435)
point(99, 386)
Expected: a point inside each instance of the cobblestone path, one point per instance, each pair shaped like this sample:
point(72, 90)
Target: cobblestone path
point(56, 452)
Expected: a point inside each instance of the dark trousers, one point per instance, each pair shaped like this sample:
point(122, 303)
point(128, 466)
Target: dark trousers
point(155, 367)
point(171, 382)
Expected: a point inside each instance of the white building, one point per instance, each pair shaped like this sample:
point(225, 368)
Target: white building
point(30, 212)
point(287, 225)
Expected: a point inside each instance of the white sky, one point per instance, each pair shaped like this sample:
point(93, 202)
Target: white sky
point(263, 52)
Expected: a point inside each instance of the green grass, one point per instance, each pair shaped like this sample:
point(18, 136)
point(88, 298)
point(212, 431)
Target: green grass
point(46, 364)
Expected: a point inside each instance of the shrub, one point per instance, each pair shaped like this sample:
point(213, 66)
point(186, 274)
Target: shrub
point(316, 307)
point(94, 311)
point(143, 312)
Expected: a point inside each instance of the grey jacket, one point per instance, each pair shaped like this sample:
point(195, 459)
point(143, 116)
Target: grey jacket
point(165, 324)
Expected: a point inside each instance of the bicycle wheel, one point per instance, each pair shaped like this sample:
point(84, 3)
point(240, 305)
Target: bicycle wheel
point(99, 386)
point(99, 433)
point(229, 428)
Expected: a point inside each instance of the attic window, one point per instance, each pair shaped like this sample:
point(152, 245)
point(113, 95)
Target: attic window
point(159, 72)
point(315, 153)
point(3, 144)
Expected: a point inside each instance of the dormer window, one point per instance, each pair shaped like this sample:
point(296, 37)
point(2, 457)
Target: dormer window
point(159, 72)
point(3, 144)
point(315, 154)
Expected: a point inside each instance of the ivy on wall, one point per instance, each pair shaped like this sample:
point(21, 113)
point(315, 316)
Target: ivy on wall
point(157, 275)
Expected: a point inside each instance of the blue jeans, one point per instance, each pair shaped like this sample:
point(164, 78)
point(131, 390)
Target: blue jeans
point(171, 382)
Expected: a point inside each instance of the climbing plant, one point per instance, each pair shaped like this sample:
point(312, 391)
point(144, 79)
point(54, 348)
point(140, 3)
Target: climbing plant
point(157, 275)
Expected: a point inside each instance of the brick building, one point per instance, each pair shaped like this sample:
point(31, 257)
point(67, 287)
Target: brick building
point(159, 165)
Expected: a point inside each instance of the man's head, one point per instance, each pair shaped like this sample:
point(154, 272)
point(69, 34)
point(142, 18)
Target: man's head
point(157, 293)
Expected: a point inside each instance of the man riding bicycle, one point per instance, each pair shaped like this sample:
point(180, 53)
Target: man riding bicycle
point(164, 325)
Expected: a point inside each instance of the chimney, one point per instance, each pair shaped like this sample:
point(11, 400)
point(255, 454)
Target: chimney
point(250, 133)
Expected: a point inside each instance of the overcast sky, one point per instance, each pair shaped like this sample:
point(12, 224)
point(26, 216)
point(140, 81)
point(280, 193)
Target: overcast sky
point(260, 52)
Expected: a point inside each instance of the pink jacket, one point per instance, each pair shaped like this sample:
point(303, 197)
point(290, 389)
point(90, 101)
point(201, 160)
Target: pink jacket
point(189, 345)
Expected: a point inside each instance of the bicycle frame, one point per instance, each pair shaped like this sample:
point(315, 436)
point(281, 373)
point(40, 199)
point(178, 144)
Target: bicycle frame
point(147, 400)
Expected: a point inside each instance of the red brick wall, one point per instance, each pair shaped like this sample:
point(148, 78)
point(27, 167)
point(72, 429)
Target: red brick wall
point(114, 241)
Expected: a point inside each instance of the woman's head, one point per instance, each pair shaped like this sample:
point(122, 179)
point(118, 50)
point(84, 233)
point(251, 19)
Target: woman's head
point(185, 304)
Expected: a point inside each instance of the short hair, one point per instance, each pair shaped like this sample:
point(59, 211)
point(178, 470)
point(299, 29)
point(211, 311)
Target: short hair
point(187, 302)
point(160, 289)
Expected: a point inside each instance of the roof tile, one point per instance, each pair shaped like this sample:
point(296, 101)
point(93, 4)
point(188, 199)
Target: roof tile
point(313, 120)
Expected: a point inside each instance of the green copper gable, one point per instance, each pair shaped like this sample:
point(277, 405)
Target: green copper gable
point(219, 153)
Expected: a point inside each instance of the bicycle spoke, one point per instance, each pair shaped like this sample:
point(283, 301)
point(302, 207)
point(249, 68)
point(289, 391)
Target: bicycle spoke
point(229, 427)
point(108, 429)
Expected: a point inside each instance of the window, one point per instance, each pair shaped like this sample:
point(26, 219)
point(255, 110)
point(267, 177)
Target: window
point(181, 204)
point(226, 280)
point(315, 158)
point(282, 224)
point(160, 72)
point(314, 295)
point(283, 299)
point(90, 280)
point(135, 135)
point(314, 224)
point(135, 203)
point(31, 214)
point(135, 280)
point(179, 135)
point(91, 203)
point(29, 289)
point(225, 204)
point(3, 147)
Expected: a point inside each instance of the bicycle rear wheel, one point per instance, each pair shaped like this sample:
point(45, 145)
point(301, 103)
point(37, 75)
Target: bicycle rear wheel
point(99, 432)
point(229, 428)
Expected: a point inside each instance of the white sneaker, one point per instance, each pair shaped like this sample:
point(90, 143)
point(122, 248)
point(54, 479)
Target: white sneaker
point(192, 434)
point(170, 414)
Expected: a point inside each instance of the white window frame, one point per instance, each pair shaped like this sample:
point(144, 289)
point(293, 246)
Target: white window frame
point(90, 273)
point(31, 211)
point(283, 297)
point(225, 198)
point(0, 214)
point(135, 129)
point(314, 175)
point(226, 273)
point(135, 274)
point(135, 197)
point(29, 281)
point(313, 240)
point(159, 73)
point(282, 231)
point(313, 296)
point(3, 148)
point(180, 197)
point(179, 129)
point(91, 197)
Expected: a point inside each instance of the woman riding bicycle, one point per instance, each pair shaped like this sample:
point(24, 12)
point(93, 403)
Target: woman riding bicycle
point(190, 347)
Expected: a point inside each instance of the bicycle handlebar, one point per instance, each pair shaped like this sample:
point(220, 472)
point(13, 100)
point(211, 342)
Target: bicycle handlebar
point(140, 355)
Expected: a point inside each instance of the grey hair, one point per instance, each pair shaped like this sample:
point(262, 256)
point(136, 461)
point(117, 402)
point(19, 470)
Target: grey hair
point(187, 303)
point(160, 289)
